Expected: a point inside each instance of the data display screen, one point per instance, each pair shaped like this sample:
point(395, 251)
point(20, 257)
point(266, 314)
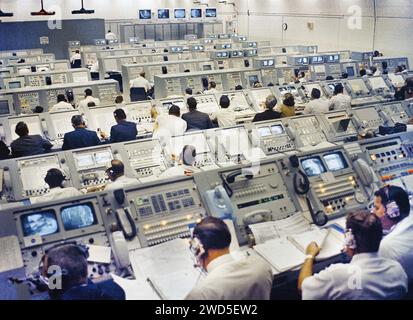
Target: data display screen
point(40, 223)
point(277, 129)
point(210, 13)
point(313, 166)
point(145, 14)
point(264, 131)
point(163, 13)
point(4, 107)
point(78, 216)
point(196, 13)
point(84, 160)
point(335, 161)
point(103, 157)
point(180, 13)
point(15, 85)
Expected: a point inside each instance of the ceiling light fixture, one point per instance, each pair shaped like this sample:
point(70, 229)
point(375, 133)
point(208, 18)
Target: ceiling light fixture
point(43, 12)
point(6, 14)
point(83, 10)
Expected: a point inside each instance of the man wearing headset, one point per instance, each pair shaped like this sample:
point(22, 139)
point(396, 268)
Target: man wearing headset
point(367, 277)
point(391, 205)
point(64, 269)
point(55, 178)
point(184, 166)
point(116, 174)
point(246, 279)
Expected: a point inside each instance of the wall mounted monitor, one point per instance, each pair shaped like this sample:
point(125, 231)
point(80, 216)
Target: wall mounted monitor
point(163, 13)
point(40, 223)
point(196, 13)
point(179, 13)
point(145, 14)
point(210, 13)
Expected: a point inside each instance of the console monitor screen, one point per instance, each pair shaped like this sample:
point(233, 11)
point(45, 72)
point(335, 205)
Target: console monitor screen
point(103, 157)
point(145, 14)
point(210, 13)
point(15, 85)
point(264, 131)
point(196, 13)
point(253, 79)
point(180, 13)
point(78, 216)
point(335, 161)
point(163, 13)
point(350, 71)
point(84, 160)
point(40, 223)
point(4, 107)
point(313, 166)
point(180, 103)
point(277, 129)
point(206, 67)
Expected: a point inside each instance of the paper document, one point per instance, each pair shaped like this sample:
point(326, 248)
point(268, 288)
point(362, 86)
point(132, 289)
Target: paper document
point(11, 257)
point(99, 254)
point(138, 289)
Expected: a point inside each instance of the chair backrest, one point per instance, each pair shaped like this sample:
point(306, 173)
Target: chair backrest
point(138, 94)
point(77, 64)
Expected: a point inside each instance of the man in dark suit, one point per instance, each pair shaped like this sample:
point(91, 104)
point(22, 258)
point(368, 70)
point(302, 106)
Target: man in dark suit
point(123, 130)
point(196, 120)
point(80, 137)
point(28, 145)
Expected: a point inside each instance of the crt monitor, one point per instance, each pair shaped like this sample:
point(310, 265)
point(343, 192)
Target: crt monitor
point(335, 161)
point(78, 216)
point(15, 85)
point(4, 107)
point(179, 13)
point(264, 131)
point(196, 13)
point(350, 71)
point(277, 129)
point(341, 125)
point(210, 13)
point(163, 13)
point(253, 79)
point(145, 14)
point(40, 223)
point(313, 166)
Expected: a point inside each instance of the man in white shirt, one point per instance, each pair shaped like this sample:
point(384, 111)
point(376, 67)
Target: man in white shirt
point(83, 105)
point(141, 82)
point(116, 174)
point(317, 104)
point(339, 100)
point(185, 165)
point(391, 205)
point(110, 36)
point(55, 178)
point(75, 56)
point(170, 125)
point(227, 279)
point(62, 105)
point(212, 88)
point(225, 117)
point(367, 277)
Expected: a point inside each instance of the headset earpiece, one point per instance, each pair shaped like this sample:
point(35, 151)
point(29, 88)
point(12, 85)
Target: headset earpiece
point(197, 248)
point(350, 240)
point(392, 210)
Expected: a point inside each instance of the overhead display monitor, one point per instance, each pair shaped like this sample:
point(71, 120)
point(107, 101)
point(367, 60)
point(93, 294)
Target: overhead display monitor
point(163, 13)
point(313, 166)
point(179, 13)
point(145, 14)
point(40, 223)
point(78, 216)
point(210, 13)
point(196, 13)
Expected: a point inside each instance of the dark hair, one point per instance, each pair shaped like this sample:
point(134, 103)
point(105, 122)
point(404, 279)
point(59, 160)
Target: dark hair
point(174, 110)
point(373, 69)
point(188, 90)
point(213, 233)
point(38, 109)
point(213, 84)
point(77, 51)
point(367, 230)
point(224, 101)
point(119, 114)
point(61, 97)
point(77, 120)
point(315, 93)
point(289, 100)
point(88, 92)
point(270, 84)
point(119, 99)
point(238, 87)
point(4, 151)
point(338, 88)
point(329, 78)
point(54, 178)
point(91, 104)
point(21, 129)
point(191, 102)
point(117, 168)
point(344, 75)
point(363, 72)
point(398, 195)
point(72, 262)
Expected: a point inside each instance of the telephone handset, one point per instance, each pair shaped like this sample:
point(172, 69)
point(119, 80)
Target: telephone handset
point(219, 202)
point(291, 132)
point(364, 172)
point(120, 250)
point(385, 117)
point(70, 96)
point(124, 217)
point(257, 216)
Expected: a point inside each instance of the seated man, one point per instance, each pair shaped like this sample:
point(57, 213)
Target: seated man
point(83, 104)
point(391, 205)
point(170, 125)
point(317, 104)
point(196, 120)
point(62, 104)
point(225, 117)
point(185, 165)
point(28, 145)
point(269, 113)
point(123, 130)
point(247, 279)
point(54, 179)
point(339, 100)
point(80, 137)
point(141, 82)
point(367, 277)
point(71, 260)
point(212, 88)
point(287, 107)
point(116, 174)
